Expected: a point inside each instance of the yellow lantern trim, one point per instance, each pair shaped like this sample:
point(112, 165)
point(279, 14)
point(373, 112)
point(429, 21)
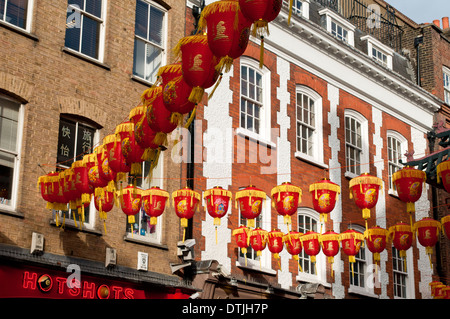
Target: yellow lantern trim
point(157, 91)
point(288, 236)
point(138, 110)
point(110, 139)
point(328, 237)
point(90, 158)
point(286, 188)
point(186, 192)
point(441, 167)
point(217, 191)
point(198, 38)
point(309, 237)
point(427, 223)
point(240, 230)
point(365, 179)
point(125, 127)
point(155, 192)
point(325, 186)
point(414, 173)
point(352, 235)
point(77, 164)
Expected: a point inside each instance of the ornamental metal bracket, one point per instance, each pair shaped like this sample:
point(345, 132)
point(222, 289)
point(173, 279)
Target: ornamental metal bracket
point(430, 162)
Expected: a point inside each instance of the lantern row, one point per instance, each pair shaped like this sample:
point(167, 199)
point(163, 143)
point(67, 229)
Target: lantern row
point(401, 236)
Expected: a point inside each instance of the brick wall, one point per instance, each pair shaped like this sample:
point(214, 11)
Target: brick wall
point(49, 81)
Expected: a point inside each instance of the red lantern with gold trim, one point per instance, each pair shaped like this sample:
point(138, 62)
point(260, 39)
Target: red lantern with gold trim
point(104, 203)
point(427, 230)
point(143, 134)
point(50, 186)
point(260, 12)
point(293, 245)
point(445, 223)
point(286, 198)
point(241, 236)
point(130, 199)
point(116, 161)
point(81, 170)
point(198, 64)
point(401, 235)
point(228, 31)
point(311, 244)
point(71, 193)
point(324, 196)
point(159, 119)
point(275, 243)
point(251, 200)
point(330, 246)
point(94, 171)
point(364, 190)
point(409, 181)
point(443, 174)
point(131, 151)
point(185, 202)
point(376, 238)
point(258, 240)
point(351, 241)
point(154, 202)
point(175, 92)
point(104, 171)
point(217, 202)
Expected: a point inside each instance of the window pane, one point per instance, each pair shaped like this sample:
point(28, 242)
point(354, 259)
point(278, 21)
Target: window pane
point(85, 140)
point(91, 31)
point(9, 114)
point(73, 36)
point(16, 12)
point(2, 9)
point(156, 25)
point(77, 3)
point(141, 22)
point(154, 61)
point(139, 58)
point(94, 7)
point(6, 177)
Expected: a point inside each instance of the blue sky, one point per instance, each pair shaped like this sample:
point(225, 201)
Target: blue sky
point(422, 11)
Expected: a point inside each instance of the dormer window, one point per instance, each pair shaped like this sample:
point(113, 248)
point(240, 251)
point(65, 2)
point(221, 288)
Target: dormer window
point(338, 26)
point(378, 51)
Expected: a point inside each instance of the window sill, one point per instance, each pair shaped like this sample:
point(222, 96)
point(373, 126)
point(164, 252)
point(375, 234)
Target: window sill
point(86, 58)
point(393, 193)
point(264, 270)
point(141, 80)
point(350, 175)
point(18, 30)
point(361, 291)
point(85, 229)
point(310, 160)
point(255, 137)
point(4, 210)
point(311, 279)
point(131, 239)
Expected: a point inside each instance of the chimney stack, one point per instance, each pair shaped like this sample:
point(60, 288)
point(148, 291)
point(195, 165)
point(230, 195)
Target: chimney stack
point(437, 23)
point(445, 23)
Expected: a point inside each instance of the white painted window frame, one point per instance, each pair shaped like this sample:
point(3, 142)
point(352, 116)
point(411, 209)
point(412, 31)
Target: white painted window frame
point(102, 33)
point(373, 43)
point(403, 147)
point(12, 207)
point(364, 160)
point(28, 23)
point(164, 39)
point(317, 155)
point(264, 135)
point(331, 16)
point(446, 78)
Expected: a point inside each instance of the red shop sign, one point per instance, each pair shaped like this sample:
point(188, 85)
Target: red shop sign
point(35, 282)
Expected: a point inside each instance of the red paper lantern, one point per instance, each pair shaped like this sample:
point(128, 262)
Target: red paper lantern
point(433, 286)
point(131, 151)
point(159, 119)
point(241, 236)
point(330, 246)
point(175, 92)
point(81, 170)
point(143, 134)
point(443, 174)
point(364, 190)
point(71, 193)
point(250, 201)
point(401, 235)
point(260, 12)
point(258, 240)
point(275, 243)
point(198, 64)
point(324, 196)
point(94, 172)
point(116, 161)
point(228, 31)
point(217, 201)
point(104, 171)
point(445, 222)
point(50, 188)
point(408, 182)
point(286, 198)
point(104, 202)
point(293, 245)
point(130, 202)
point(427, 230)
point(351, 242)
point(311, 244)
point(154, 202)
point(376, 238)
point(185, 202)
point(446, 292)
